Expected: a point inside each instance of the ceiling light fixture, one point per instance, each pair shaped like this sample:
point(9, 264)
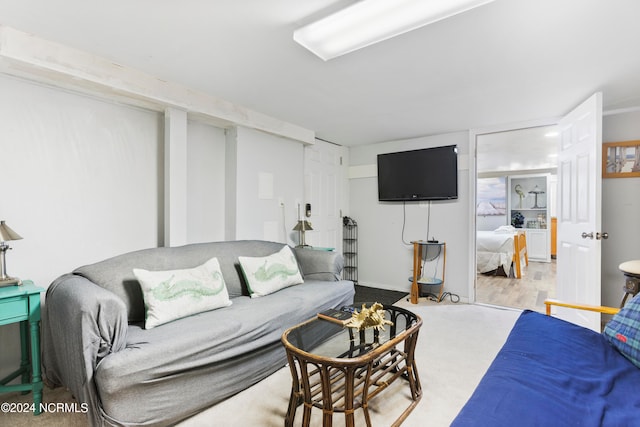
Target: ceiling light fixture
point(371, 21)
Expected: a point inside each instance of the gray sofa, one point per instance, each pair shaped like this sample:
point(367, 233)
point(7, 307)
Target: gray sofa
point(95, 344)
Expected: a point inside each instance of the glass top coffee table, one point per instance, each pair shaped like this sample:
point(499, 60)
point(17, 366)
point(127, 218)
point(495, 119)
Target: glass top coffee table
point(339, 369)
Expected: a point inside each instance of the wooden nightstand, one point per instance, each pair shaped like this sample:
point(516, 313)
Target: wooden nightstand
point(22, 304)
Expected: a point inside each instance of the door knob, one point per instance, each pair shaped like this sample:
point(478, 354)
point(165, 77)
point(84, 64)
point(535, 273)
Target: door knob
point(586, 235)
point(603, 236)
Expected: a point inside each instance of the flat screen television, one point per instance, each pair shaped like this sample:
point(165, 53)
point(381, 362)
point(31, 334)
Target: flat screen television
point(425, 174)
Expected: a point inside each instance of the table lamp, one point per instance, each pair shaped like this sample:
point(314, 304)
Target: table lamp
point(536, 191)
point(6, 235)
point(302, 226)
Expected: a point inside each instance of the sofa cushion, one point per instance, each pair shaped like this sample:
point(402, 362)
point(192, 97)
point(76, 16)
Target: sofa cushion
point(554, 373)
point(173, 294)
point(266, 275)
point(623, 331)
point(319, 264)
point(207, 357)
point(116, 274)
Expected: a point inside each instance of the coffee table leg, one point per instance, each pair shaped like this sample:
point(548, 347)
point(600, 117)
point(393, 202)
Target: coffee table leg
point(365, 395)
point(412, 368)
point(296, 395)
point(291, 411)
point(306, 416)
point(349, 378)
point(367, 418)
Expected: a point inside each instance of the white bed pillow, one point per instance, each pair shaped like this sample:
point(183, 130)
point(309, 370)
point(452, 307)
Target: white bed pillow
point(173, 294)
point(505, 229)
point(266, 275)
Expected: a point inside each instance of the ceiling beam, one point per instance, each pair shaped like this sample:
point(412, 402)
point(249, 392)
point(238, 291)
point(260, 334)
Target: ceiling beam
point(27, 56)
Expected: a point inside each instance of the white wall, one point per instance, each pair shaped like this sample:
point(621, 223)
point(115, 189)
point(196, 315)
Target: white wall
point(385, 254)
point(269, 171)
point(205, 181)
point(81, 181)
point(620, 211)
point(81, 178)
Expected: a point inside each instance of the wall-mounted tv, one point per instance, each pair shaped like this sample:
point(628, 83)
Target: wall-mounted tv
point(425, 174)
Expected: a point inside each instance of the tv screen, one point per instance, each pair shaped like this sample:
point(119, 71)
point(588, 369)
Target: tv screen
point(426, 174)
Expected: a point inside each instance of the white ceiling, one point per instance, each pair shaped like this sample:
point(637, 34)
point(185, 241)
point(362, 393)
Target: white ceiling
point(529, 149)
point(505, 62)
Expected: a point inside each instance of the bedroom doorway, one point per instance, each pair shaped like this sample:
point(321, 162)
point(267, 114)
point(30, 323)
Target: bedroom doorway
point(516, 195)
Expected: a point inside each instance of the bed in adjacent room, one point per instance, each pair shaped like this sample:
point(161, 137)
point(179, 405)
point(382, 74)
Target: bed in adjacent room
point(500, 249)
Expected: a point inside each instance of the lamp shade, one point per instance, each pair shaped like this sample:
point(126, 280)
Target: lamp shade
point(536, 190)
point(7, 234)
point(302, 225)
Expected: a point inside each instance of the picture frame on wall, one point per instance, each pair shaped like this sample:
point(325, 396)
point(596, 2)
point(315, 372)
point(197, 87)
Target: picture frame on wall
point(621, 159)
point(492, 196)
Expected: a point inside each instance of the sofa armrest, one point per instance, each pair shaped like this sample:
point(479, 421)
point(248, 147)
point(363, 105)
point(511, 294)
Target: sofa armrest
point(320, 265)
point(82, 323)
point(597, 308)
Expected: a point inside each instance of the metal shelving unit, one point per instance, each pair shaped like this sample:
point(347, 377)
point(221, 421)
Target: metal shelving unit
point(350, 249)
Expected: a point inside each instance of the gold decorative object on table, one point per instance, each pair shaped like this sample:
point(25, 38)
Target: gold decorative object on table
point(372, 317)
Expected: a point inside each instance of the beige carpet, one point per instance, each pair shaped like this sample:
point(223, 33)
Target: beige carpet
point(64, 411)
point(457, 343)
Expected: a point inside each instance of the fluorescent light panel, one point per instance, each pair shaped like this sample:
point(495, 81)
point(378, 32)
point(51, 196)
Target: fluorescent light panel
point(371, 21)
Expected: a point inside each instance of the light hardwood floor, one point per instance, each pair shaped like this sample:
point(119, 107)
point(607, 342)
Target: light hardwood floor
point(538, 282)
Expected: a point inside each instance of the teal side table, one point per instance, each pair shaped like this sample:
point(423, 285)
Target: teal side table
point(22, 304)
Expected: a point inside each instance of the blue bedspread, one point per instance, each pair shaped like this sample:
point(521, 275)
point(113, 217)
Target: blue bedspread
point(554, 373)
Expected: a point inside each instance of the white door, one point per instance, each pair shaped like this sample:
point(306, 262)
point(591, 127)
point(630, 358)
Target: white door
point(579, 211)
point(323, 191)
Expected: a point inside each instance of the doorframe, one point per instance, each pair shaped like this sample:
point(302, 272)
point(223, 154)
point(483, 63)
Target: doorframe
point(473, 180)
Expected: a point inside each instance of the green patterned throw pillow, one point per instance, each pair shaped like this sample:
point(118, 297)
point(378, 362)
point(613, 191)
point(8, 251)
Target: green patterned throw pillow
point(173, 294)
point(266, 275)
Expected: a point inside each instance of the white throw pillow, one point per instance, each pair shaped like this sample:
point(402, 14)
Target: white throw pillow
point(173, 294)
point(269, 274)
